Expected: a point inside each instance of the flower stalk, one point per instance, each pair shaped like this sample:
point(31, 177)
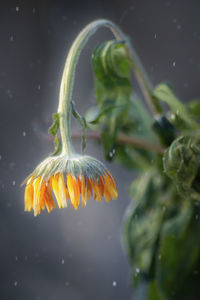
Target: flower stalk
point(67, 174)
point(66, 87)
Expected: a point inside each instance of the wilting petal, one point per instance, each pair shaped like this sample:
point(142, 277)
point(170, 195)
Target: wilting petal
point(49, 203)
point(84, 177)
point(28, 196)
point(58, 187)
point(110, 186)
point(83, 191)
point(74, 191)
point(36, 188)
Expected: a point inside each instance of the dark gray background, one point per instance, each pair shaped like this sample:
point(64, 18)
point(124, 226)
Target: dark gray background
point(74, 254)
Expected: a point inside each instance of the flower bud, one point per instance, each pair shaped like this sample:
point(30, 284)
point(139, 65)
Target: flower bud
point(182, 164)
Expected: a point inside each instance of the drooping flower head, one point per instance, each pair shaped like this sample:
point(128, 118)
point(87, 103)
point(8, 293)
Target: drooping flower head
point(73, 179)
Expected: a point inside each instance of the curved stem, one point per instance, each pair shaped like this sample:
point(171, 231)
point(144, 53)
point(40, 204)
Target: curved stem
point(69, 71)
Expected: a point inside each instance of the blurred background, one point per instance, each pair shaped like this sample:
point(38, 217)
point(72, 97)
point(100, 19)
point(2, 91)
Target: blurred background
point(74, 254)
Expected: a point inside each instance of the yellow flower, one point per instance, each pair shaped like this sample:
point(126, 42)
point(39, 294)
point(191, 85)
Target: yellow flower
point(71, 179)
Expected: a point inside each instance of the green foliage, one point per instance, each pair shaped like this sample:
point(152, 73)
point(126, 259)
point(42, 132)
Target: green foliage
point(141, 239)
point(153, 293)
point(161, 228)
point(194, 109)
point(182, 164)
point(165, 130)
point(113, 89)
point(119, 110)
point(179, 250)
point(82, 123)
point(165, 93)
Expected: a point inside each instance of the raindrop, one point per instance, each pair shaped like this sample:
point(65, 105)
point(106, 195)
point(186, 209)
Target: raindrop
point(15, 283)
point(178, 27)
point(137, 270)
point(62, 261)
point(155, 36)
point(39, 87)
point(111, 154)
point(12, 164)
point(24, 133)
point(159, 257)
point(14, 182)
point(16, 258)
point(11, 38)
point(114, 283)
point(9, 94)
point(17, 8)
point(34, 10)
point(174, 64)
point(0, 157)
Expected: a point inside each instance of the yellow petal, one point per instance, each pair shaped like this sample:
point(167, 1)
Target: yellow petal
point(83, 191)
point(73, 189)
point(58, 187)
point(49, 203)
point(89, 189)
point(107, 195)
point(36, 188)
point(28, 195)
point(101, 185)
point(96, 189)
point(110, 186)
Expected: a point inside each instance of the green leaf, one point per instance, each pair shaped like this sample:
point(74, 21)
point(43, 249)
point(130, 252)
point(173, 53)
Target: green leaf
point(178, 252)
point(82, 123)
point(141, 238)
point(182, 164)
point(111, 64)
point(165, 93)
point(119, 110)
point(194, 108)
point(153, 293)
point(165, 130)
point(58, 146)
point(102, 113)
point(56, 123)
point(113, 91)
point(133, 158)
point(54, 131)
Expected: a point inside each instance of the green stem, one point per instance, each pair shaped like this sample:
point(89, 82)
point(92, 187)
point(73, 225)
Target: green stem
point(64, 107)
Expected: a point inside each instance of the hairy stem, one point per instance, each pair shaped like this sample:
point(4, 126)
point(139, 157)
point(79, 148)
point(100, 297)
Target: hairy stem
point(64, 108)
